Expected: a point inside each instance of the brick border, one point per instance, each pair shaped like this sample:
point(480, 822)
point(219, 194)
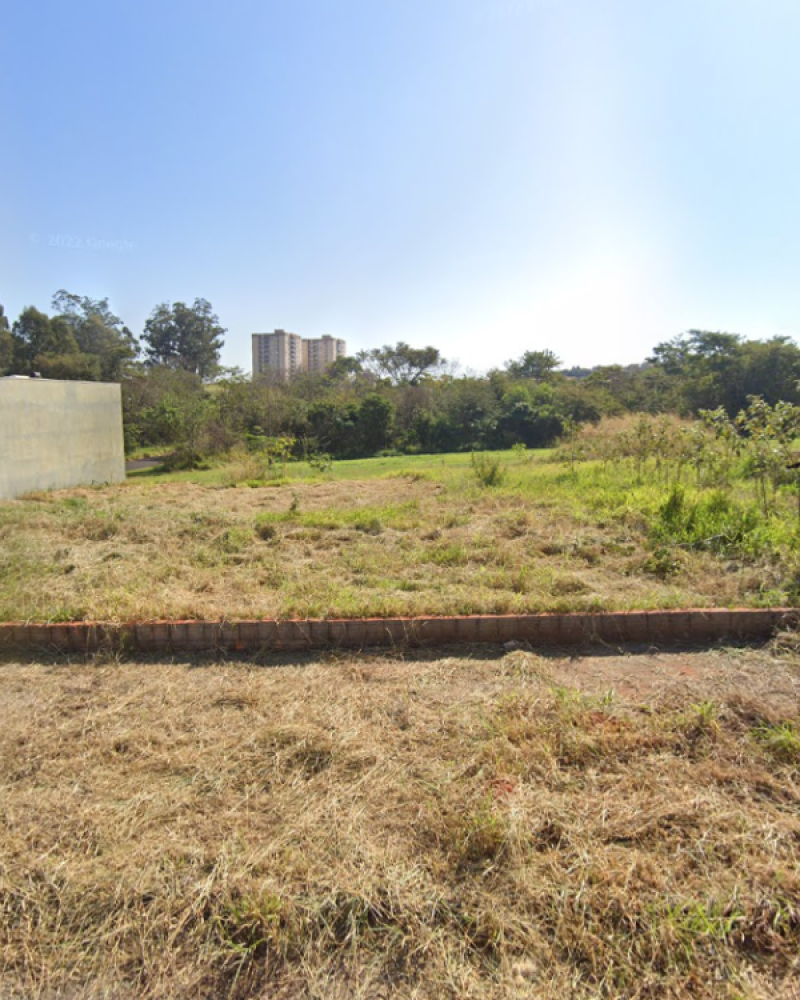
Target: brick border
point(694, 625)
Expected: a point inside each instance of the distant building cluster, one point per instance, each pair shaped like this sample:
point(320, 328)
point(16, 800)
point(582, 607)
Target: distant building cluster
point(286, 354)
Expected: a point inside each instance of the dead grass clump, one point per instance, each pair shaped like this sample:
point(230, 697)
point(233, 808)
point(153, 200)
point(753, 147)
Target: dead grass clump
point(607, 438)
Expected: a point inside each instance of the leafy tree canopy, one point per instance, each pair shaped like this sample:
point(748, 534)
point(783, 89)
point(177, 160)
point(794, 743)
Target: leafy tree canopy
point(724, 369)
point(38, 340)
point(402, 364)
point(343, 370)
point(537, 365)
point(187, 337)
point(98, 333)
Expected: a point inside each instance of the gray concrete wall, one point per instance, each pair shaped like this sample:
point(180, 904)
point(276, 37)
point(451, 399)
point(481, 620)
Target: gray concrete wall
point(57, 434)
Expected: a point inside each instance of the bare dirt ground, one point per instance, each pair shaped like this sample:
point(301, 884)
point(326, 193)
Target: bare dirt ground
point(445, 824)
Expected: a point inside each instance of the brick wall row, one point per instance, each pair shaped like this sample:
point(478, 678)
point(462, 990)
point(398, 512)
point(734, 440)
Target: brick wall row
point(555, 630)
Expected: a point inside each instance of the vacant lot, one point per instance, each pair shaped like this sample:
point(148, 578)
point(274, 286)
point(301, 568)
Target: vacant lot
point(622, 826)
point(379, 537)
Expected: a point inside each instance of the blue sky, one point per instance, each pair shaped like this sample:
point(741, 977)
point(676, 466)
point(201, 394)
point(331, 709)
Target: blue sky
point(588, 176)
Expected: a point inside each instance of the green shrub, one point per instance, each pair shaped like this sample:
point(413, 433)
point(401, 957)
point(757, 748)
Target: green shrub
point(487, 469)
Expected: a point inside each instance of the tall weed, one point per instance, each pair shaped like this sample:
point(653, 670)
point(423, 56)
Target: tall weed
point(487, 469)
point(712, 521)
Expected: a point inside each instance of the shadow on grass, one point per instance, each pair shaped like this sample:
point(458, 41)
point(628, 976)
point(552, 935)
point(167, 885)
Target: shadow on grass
point(334, 657)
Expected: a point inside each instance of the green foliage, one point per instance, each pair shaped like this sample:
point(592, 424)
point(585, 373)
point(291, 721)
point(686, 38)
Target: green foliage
point(713, 521)
point(375, 420)
point(38, 342)
point(537, 365)
point(187, 418)
point(402, 364)
point(6, 343)
point(276, 452)
point(723, 369)
point(151, 405)
point(487, 469)
point(187, 337)
point(781, 740)
point(98, 333)
point(85, 341)
point(321, 462)
point(769, 432)
point(352, 429)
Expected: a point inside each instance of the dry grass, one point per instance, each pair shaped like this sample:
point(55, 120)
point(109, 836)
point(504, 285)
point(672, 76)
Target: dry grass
point(613, 436)
point(374, 547)
point(622, 826)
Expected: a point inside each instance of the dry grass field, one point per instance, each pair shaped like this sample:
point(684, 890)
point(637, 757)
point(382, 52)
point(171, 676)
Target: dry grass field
point(443, 826)
point(379, 537)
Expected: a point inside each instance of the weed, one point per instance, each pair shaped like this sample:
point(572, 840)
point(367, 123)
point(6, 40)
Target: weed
point(487, 469)
point(664, 562)
point(321, 463)
point(712, 521)
point(781, 740)
point(235, 540)
point(483, 837)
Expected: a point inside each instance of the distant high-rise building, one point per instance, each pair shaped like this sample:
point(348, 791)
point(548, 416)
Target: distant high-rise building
point(319, 353)
point(278, 352)
point(286, 354)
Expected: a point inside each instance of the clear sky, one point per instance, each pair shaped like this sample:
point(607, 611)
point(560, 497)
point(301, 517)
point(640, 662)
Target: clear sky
point(588, 176)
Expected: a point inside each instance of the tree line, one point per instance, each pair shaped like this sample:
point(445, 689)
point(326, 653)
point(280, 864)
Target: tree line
point(85, 340)
point(177, 397)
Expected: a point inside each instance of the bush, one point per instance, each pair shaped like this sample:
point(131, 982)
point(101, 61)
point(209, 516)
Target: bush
point(487, 469)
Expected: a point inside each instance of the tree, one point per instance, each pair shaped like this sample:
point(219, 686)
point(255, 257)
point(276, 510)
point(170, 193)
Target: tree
point(529, 416)
point(706, 366)
point(98, 333)
point(6, 343)
point(335, 427)
point(39, 340)
point(537, 365)
point(343, 370)
point(645, 389)
point(723, 369)
point(402, 364)
point(150, 399)
point(187, 337)
point(375, 418)
point(771, 369)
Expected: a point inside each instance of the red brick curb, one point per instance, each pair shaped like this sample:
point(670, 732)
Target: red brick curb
point(560, 630)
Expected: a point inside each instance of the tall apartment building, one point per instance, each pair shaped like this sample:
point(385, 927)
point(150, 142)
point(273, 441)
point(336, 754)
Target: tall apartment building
point(279, 352)
point(286, 354)
point(320, 352)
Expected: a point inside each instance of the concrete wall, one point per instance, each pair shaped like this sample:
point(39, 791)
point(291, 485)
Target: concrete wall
point(57, 434)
